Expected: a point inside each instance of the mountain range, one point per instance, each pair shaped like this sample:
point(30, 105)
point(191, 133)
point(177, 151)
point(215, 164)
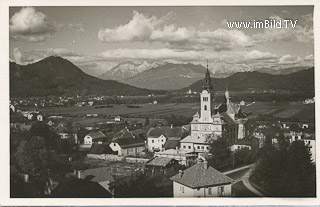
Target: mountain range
point(302, 80)
point(57, 76)
point(173, 76)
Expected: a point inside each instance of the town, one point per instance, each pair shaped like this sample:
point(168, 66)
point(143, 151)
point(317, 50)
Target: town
point(109, 147)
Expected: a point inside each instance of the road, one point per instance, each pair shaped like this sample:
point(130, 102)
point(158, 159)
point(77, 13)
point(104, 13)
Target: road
point(238, 188)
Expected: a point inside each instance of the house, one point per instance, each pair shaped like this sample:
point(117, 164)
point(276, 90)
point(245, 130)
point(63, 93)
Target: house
point(62, 131)
point(128, 146)
point(182, 156)
point(123, 134)
point(240, 144)
point(80, 188)
point(162, 166)
point(117, 118)
point(158, 136)
point(99, 175)
point(39, 117)
point(94, 136)
point(196, 144)
point(99, 149)
point(201, 180)
point(308, 139)
point(242, 103)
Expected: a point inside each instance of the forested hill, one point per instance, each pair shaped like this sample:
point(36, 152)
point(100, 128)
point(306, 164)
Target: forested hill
point(57, 76)
point(298, 81)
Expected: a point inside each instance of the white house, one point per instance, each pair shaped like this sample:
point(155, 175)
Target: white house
point(157, 137)
point(39, 117)
point(201, 180)
point(128, 146)
point(94, 136)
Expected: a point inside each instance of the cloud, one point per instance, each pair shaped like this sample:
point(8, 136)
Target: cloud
point(30, 25)
point(285, 12)
point(309, 58)
point(302, 32)
point(142, 28)
point(290, 60)
point(258, 55)
point(78, 27)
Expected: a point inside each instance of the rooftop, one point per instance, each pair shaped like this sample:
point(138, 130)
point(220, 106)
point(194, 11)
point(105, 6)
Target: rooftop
point(199, 176)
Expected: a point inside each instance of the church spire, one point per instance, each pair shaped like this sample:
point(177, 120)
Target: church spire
point(207, 81)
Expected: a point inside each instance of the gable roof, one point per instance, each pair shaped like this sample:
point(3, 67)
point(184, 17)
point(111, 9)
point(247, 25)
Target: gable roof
point(172, 144)
point(123, 134)
point(165, 131)
point(97, 175)
point(194, 139)
point(227, 118)
point(126, 143)
point(79, 188)
point(198, 176)
point(99, 149)
point(96, 134)
point(159, 161)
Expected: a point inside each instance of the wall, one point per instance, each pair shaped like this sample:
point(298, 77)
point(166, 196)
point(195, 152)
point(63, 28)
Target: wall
point(178, 192)
point(106, 157)
point(157, 143)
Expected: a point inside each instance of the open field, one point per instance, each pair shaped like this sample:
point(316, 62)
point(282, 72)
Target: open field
point(282, 110)
point(277, 109)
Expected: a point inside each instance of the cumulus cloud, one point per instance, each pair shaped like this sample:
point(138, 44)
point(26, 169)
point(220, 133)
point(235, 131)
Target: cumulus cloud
point(302, 32)
point(30, 25)
point(152, 29)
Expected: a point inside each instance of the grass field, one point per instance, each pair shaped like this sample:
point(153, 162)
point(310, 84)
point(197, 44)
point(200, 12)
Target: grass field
point(282, 110)
point(278, 109)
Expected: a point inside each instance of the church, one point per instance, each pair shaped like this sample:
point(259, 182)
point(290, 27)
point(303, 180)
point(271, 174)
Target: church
point(224, 120)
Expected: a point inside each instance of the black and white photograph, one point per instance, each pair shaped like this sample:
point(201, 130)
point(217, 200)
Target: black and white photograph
point(161, 101)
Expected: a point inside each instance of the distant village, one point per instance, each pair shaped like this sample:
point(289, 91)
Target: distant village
point(111, 156)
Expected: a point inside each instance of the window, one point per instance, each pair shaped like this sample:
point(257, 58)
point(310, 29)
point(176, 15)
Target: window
point(220, 191)
point(184, 146)
point(210, 191)
point(205, 107)
point(198, 147)
point(189, 147)
point(182, 189)
point(202, 147)
point(114, 144)
point(152, 141)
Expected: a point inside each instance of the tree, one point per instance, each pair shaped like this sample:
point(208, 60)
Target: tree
point(219, 148)
point(285, 171)
point(35, 158)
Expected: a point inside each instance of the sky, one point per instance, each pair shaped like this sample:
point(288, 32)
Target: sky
point(98, 38)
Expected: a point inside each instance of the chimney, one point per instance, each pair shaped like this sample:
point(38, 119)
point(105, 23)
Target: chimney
point(180, 173)
point(205, 164)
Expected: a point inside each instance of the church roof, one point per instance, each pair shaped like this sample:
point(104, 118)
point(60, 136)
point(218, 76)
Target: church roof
point(194, 139)
point(228, 119)
point(199, 176)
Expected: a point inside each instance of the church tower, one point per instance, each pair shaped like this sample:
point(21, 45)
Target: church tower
point(206, 97)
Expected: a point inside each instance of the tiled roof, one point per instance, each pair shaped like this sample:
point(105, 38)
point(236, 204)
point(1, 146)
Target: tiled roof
point(99, 149)
point(126, 143)
point(227, 118)
point(172, 144)
point(123, 134)
point(159, 161)
point(79, 188)
point(194, 139)
point(96, 134)
point(166, 131)
point(198, 176)
point(97, 175)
